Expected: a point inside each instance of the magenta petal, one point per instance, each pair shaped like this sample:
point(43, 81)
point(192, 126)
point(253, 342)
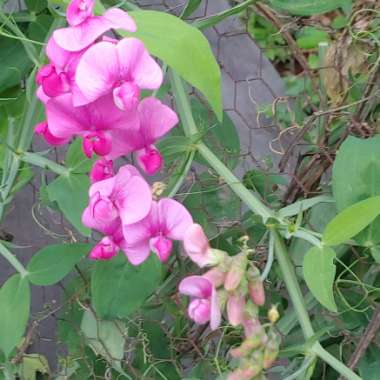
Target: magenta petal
point(156, 119)
point(150, 160)
point(199, 311)
point(136, 204)
point(162, 247)
point(101, 169)
point(104, 250)
point(42, 129)
point(174, 217)
point(97, 70)
point(216, 315)
point(137, 65)
point(196, 286)
point(78, 11)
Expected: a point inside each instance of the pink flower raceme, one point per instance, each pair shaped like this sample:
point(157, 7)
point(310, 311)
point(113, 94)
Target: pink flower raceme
point(85, 28)
point(104, 128)
point(155, 119)
point(123, 199)
point(204, 304)
point(123, 69)
point(166, 221)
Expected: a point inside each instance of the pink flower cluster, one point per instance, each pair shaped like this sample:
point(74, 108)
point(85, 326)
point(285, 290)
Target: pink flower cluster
point(92, 85)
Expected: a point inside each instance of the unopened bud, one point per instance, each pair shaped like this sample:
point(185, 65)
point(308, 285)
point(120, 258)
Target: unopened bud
point(216, 276)
point(246, 347)
point(255, 286)
point(235, 309)
point(157, 189)
point(247, 370)
point(273, 314)
point(236, 273)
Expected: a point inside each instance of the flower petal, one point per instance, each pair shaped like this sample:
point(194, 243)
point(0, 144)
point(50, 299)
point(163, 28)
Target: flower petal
point(138, 65)
point(173, 218)
point(97, 70)
point(118, 19)
point(216, 315)
point(196, 286)
point(138, 253)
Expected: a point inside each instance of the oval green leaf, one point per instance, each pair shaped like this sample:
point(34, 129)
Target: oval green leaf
point(308, 7)
point(52, 263)
point(119, 288)
point(14, 306)
point(351, 221)
point(319, 273)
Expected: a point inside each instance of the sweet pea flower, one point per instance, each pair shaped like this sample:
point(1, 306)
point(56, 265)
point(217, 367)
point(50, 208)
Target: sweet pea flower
point(236, 309)
point(166, 221)
point(204, 304)
point(104, 128)
point(101, 169)
point(85, 28)
point(155, 120)
point(123, 69)
point(198, 249)
point(122, 199)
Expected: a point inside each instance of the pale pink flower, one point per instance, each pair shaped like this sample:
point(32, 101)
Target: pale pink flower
point(204, 304)
point(104, 128)
point(101, 169)
point(166, 221)
point(123, 69)
point(155, 120)
point(236, 272)
point(125, 198)
point(85, 28)
point(104, 250)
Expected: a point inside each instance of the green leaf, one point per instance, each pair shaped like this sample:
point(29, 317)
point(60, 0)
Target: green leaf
point(191, 7)
point(351, 221)
point(185, 49)
point(14, 63)
point(309, 37)
point(319, 273)
point(356, 176)
point(308, 7)
point(36, 6)
point(106, 338)
point(75, 160)
point(118, 288)
point(71, 194)
point(14, 306)
point(52, 263)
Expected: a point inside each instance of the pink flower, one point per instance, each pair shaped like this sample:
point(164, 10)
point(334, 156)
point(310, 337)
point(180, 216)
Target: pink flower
point(155, 120)
point(104, 250)
point(103, 126)
point(42, 129)
point(125, 198)
point(102, 169)
point(204, 304)
point(166, 221)
point(123, 68)
point(198, 249)
point(85, 28)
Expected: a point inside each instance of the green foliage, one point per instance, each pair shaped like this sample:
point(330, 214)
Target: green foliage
point(309, 37)
point(52, 263)
point(118, 288)
point(308, 7)
point(14, 305)
point(191, 7)
point(319, 273)
point(71, 194)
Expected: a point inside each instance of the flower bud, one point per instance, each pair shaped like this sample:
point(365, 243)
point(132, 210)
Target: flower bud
point(216, 276)
point(157, 189)
point(255, 286)
point(271, 349)
point(253, 328)
point(236, 273)
point(246, 348)
point(235, 309)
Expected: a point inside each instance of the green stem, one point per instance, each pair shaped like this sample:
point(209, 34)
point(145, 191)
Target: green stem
point(12, 259)
point(43, 162)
